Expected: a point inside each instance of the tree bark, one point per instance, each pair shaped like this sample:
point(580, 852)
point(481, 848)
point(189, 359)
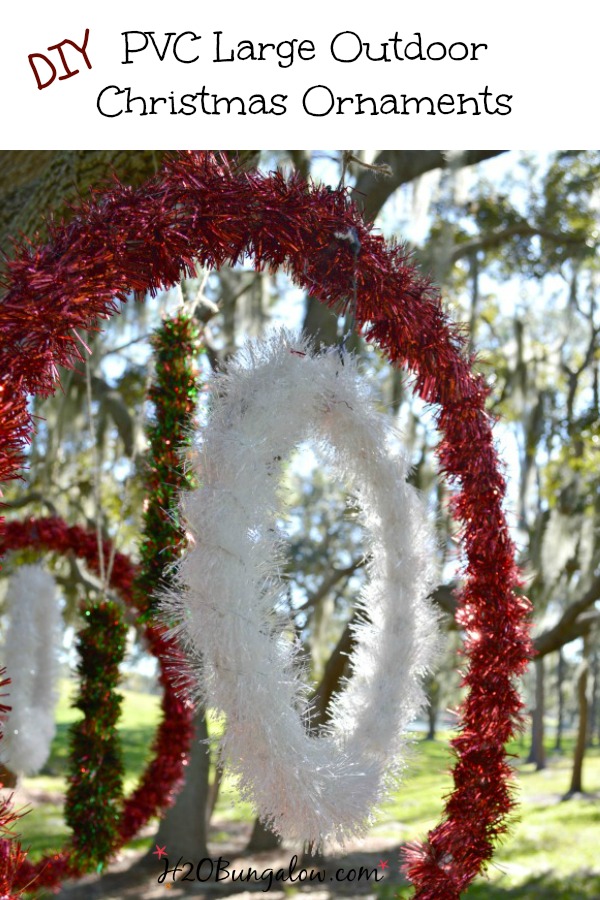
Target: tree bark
point(262, 838)
point(183, 829)
point(593, 717)
point(560, 677)
point(8, 779)
point(36, 183)
point(576, 621)
point(433, 707)
point(580, 745)
point(537, 754)
point(332, 677)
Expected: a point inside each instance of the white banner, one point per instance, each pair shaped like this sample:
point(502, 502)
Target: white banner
point(140, 74)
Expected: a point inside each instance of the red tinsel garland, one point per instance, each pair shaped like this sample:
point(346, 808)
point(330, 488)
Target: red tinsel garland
point(200, 209)
point(11, 853)
point(164, 774)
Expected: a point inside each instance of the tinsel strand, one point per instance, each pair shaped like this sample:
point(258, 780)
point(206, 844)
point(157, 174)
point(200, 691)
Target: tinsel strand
point(275, 394)
point(174, 395)
point(199, 209)
point(95, 791)
point(11, 852)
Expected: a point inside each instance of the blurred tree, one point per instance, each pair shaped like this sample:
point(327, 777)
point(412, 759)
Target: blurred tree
point(542, 356)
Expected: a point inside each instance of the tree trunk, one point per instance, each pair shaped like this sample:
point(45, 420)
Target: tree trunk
point(35, 183)
point(582, 698)
point(593, 723)
point(433, 707)
point(8, 779)
point(560, 678)
point(183, 828)
point(213, 793)
point(537, 753)
point(262, 838)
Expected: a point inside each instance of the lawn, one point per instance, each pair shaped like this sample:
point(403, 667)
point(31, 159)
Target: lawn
point(551, 852)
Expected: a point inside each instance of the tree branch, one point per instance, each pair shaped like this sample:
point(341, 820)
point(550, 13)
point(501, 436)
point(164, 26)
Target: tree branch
point(371, 190)
point(332, 677)
point(572, 624)
point(31, 497)
point(445, 597)
point(521, 229)
point(330, 582)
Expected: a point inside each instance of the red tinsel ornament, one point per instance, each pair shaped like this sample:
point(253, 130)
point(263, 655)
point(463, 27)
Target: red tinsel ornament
point(199, 209)
point(11, 853)
point(164, 773)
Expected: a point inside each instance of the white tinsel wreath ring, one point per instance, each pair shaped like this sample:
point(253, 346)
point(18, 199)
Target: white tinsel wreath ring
point(275, 395)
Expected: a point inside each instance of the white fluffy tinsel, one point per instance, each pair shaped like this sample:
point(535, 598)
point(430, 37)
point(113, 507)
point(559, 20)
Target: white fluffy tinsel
point(31, 658)
point(275, 395)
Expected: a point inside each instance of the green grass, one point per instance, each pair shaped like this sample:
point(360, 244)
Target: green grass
point(43, 828)
point(552, 848)
point(578, 886)
point(551, 851)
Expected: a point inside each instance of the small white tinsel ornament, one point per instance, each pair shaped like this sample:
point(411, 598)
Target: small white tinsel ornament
point(31, 658)
point(275, 395)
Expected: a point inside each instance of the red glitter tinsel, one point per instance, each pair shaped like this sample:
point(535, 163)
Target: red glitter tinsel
point(199, 208)
point(11, 853)
point(164, 773)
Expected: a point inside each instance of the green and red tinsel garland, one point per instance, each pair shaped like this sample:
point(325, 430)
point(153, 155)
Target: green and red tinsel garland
point(95, 793)
point(174, 393)
point(99, 819)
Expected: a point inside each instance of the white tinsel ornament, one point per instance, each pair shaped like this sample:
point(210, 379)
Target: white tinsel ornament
point(275, 395)
point(31, 659)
